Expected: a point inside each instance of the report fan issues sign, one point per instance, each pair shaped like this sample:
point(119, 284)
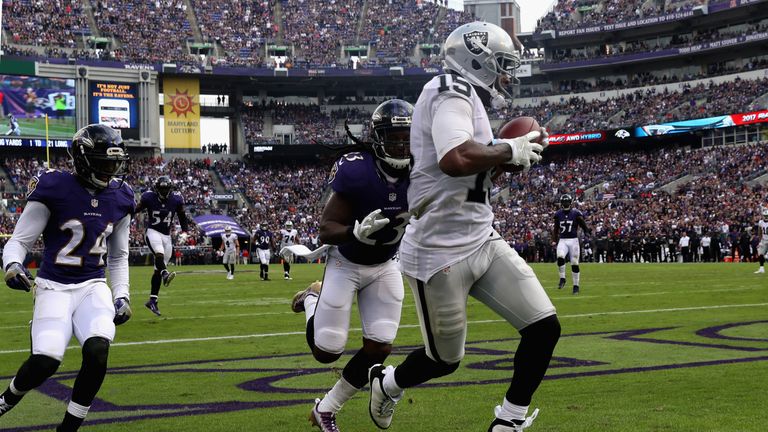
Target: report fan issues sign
point(181, 110)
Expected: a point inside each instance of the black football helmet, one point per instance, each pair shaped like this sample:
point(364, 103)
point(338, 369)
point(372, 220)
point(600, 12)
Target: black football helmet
point(163, 186)
point(391, 133)
point(566, 201)
point(99, 155)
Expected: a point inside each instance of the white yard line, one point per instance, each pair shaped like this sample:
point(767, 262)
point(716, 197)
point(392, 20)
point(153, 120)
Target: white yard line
point(265, 335)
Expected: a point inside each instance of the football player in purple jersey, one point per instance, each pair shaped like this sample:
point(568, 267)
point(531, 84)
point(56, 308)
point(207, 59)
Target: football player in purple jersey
point(161, 203)
point(85, 219)
point(565, 234)
point(364, 218)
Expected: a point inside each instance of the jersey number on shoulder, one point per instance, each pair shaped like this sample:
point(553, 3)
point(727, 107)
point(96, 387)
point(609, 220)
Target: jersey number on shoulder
point(77, 230)
point(455, 83)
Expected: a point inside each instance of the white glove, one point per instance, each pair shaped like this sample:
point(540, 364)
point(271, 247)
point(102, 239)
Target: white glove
point(525, 151)
point(122, 310)
point(370, 224)
point(17, 277)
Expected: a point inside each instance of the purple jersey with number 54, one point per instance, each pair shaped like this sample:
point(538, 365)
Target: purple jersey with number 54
point(160, 212)
point(75, 237)
point(356, 178)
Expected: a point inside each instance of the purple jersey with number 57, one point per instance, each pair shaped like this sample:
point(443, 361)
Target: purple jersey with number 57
point(356, 178)
point(566, 222)
point(160, 212)
point(80, 223)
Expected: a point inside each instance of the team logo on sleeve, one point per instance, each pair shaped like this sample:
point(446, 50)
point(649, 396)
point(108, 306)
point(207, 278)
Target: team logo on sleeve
point(475, 41)
point(32, 185)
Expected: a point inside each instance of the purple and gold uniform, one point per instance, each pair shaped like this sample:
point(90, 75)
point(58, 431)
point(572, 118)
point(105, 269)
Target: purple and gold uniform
point(356, 178)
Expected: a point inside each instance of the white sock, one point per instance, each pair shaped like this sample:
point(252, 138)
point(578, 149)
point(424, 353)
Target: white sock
point(510, 411)
point(77, 410)
point(337, 396)
point(14, 390)
point(310, 304)
point(561, 271)
point(576, 277)
point(389, 383)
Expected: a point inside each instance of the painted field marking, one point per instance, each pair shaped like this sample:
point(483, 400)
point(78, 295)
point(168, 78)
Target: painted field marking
point(264, 335)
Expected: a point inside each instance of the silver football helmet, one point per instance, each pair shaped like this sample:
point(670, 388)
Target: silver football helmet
point(482, 53)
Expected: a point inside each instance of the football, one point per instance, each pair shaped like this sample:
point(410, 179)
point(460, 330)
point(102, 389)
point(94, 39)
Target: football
point(515, 128)
point(518, 127)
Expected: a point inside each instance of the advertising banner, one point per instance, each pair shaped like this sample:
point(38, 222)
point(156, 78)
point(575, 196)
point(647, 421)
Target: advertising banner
point(115, 105)
point(182, 113)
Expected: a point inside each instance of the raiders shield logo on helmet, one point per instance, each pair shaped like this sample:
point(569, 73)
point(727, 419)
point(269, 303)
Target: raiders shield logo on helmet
point(476, 41)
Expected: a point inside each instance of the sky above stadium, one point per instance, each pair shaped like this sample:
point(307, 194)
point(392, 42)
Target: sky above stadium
point(530, 11)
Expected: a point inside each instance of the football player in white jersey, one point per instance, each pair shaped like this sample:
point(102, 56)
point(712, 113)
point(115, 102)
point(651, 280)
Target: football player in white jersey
point(450, 250)
point(762, 248)
point(231, 247)
point(288, 237)
point(85, 220)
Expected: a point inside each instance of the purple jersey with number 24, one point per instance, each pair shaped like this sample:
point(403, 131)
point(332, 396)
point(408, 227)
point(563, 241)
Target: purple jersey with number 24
point(75, 237)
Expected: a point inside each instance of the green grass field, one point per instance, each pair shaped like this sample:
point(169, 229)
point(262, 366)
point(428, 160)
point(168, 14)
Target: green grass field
point(57, 128)
point(645, 347)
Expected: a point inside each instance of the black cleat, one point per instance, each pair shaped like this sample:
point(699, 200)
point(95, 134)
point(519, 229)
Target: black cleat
point(561, 284)
point(575, 289)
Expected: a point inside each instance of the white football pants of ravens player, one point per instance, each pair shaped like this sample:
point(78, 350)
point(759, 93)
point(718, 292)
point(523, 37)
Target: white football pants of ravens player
point(264, 256)
point(85, 309)
point(379, 290)
point(569, 247)
point(496, 276)
point(159, 243)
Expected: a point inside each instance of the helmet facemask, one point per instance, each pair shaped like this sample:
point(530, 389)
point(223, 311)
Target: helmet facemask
point(163, 187)
point(393, 144)
point(99, 169)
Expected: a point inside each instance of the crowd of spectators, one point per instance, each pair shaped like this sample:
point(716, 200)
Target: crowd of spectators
point(656, 43)
point(148, 31)
point(45, 22)
point(571, 14)
point(158, 31)
point(241, 27)
point(647, 106)
point(621, 196)
point(626, 196)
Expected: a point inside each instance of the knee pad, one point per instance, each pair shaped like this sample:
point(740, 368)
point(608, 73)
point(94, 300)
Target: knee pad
point(96, 351)
point(575, 268)
point(545, 331)
point(560, 261)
